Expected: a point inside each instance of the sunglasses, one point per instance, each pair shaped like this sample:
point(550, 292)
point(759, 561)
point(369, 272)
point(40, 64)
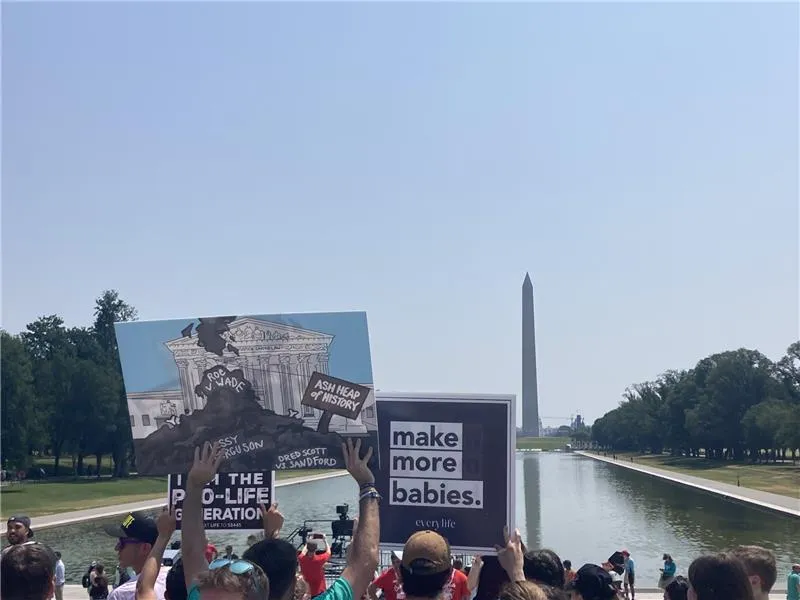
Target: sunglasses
point(237, 567)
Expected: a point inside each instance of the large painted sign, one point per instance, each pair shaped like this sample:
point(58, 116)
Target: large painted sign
point(276, 391)
point(230, 500)
point(447, 464)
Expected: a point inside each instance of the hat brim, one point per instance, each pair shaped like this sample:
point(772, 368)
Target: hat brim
point(114, 531)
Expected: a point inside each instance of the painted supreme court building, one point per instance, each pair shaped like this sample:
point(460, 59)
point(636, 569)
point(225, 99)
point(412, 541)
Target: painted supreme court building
point(277, 359)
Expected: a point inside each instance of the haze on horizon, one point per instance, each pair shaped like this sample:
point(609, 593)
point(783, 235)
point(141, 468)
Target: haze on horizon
point(414, 161)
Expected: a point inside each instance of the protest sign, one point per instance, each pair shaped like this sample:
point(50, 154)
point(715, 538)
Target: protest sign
point(230, 500)
point(241, 381)
point(447, 464)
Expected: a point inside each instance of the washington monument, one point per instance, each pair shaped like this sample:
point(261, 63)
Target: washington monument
point(530, 391)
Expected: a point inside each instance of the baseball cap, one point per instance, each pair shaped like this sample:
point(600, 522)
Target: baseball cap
point(626, 553)
point(426, 553)
point(592, 581)
point(22, 520)
point(137, 526)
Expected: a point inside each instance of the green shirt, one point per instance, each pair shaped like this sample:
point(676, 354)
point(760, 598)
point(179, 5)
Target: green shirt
point(339, 590)
point(791, 587)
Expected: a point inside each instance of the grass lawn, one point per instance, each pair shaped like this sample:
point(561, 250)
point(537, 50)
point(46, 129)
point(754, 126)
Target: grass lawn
point(542, 443)
point(36, 499)
point(781, 478)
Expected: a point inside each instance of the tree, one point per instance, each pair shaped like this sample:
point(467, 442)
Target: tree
point(19, 427)
point(110, 309)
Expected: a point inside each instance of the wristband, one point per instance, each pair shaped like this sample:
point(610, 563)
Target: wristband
point(370, 493)
point(367, 486)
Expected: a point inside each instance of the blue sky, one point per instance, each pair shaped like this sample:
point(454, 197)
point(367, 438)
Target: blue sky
point(415, 160)
point(148, 365)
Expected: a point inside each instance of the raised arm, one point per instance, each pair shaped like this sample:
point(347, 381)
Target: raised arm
point(146, 583)
point(272, 520)
point(206, 464)
point(362, 557)
point(474, 573)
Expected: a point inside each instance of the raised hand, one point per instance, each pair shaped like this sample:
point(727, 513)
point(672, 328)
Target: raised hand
point(477, 561)
point(272, 519)
point(357, 466)
point(206, 464)
point(166, 522)
point(511, 555)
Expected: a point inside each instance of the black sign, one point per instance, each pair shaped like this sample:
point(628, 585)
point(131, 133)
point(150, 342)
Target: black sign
point(334, 395)
point(230, 501)
point(447, 464)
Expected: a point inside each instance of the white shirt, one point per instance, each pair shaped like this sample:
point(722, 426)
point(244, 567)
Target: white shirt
point(60, 578)
point(127, 591)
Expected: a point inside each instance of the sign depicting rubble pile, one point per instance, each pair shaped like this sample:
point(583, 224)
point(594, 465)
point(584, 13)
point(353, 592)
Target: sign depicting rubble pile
point(278, 392)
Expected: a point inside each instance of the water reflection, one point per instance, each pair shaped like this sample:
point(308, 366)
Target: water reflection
point(581, 508)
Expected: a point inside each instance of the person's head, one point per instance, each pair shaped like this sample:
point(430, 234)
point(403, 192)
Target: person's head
point(229, 549)
point(396, 557)
point(592, 582)
point(554, 593)
point(135, 538)
point(458, 564)
point(759, 564)
point(18, 529)
point(796, 568)
point(567, 565)
point(311, 545)
point(543, 566)
point(58, 555)
point(176, 583)
point(27, 572)
point(522, 590)
point(718, 577)
point(677, 589)
point(666, 558)
point(233, 580)
point(626, 554)
point(278, 559)
point(251, 539)
point(99, 569)
point(426, 566)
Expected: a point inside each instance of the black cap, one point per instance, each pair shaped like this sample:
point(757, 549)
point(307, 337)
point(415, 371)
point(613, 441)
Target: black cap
point(593, 581)
point(23, 520)
point(136, 526)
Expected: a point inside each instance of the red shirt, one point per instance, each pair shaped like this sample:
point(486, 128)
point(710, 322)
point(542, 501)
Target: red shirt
point(210, 551)
point(456, 588)
point(312, 566)
point(390, 585)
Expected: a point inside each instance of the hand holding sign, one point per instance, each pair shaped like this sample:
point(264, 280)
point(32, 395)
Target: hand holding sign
point(511, 556)
point(206, 464)
point(273, 521)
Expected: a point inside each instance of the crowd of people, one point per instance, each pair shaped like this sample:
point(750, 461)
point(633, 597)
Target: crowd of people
point(272, 569)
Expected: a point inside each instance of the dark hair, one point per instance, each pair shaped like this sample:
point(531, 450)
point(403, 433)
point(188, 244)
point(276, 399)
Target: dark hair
point(544, 566)
point(176, 582)
point(678, 588)
point(27, 571)
point(760, 562)
point(458, 564)
point(567, 564)
point(58, 554)
point(278, 560)
point(554, 593)
point(424, 586)
point(492, 578)
point(720, 577)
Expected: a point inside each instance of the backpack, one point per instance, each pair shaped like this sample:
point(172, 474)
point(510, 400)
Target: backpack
point(85, 582)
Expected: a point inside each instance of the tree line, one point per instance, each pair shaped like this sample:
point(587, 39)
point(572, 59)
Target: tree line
point(733, 405)
point(63, 392)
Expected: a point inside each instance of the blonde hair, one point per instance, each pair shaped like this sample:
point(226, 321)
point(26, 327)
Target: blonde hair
point(253, 584)
point(522, 590)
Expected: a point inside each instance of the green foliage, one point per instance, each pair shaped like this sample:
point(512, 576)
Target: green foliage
point(62, 390)
point(730, 405)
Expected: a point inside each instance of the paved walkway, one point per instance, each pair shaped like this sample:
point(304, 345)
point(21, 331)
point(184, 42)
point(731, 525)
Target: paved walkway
point(103, 512)
point(775, 502)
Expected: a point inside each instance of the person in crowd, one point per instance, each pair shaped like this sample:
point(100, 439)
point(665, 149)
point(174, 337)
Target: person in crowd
point(668, 572)
point(27, 572)
point(312, 558)
point(569, 573)
point(175, 583)
point(210, 552)
point(388, 582)
point(251, 539)
point(544, 566)
point(718, 577)
point(522, 590)
point(553, 593)
point(220, 579)
point(277, 558)
point(759, 564)
point(793, 583)
point(592, 582)
point(60, 577)
point(18, 530)
point(146, 582)
point(426, 570)
point(136, 536)
point(229, 553)
point(629, 576)
point(678, 589)
point(458, 565)
point(474, 574)
point(98, 586)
